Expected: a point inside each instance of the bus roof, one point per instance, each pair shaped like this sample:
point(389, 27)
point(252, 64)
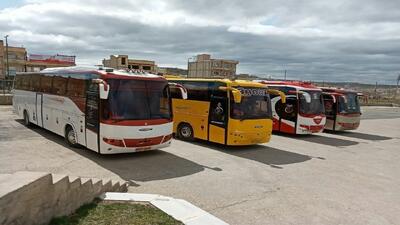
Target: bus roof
point(294, 83)
point(234, 83)
point(104, 72)
point(333, 90)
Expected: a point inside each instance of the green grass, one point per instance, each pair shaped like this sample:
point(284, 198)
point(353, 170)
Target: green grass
point(113, 213)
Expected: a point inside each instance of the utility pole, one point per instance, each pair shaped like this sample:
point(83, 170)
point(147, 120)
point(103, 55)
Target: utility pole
point(397, 86)
point(8, 66)
point(285, 74)
point(187, 69)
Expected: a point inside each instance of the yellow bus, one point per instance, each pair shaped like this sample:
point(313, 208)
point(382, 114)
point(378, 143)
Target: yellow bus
point(229, 112)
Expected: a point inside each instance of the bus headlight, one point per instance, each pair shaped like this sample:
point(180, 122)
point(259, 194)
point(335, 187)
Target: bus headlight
point(115, 142)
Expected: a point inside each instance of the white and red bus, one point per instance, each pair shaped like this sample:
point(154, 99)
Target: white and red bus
point(303, 112)
point(105, 110)
point(342, 109)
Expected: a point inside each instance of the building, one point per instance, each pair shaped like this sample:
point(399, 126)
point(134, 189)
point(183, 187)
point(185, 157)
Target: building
point(20, 61)
point(16, 60)
point(172, 71)
point(206, 67)
point(123, 62)
point(37, 62)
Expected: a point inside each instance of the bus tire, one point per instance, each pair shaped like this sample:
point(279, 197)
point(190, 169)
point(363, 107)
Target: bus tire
point(185, 132)
point(70, 136)
point(26, 119)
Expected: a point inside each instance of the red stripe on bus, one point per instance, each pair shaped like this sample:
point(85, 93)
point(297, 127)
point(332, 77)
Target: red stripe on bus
point(136, 122)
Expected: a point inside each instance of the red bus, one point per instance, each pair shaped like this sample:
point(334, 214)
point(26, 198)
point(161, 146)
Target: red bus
point(303, 112)
point(342, 109)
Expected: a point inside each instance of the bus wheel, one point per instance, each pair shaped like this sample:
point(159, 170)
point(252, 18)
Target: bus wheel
point(26, 119)
point(70, 136)
point(185, 132)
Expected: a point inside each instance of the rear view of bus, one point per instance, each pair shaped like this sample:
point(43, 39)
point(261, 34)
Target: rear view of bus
point(303, 112)
point(105, 110)
point(342, 109)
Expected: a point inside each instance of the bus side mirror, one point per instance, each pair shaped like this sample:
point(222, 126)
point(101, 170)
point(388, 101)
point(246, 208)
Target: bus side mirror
point(333, 98)
point(181, 88)
point(277, 92)
point(237, 95)
point(306, 95)
point(104, 88)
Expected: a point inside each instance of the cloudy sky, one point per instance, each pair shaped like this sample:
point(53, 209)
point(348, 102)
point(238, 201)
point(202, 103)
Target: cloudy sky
point(341, 40)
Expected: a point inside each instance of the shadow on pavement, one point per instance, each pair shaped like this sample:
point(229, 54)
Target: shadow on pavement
point(318, 139)
point(260, 153)
point(141, 166)
point(352, 134)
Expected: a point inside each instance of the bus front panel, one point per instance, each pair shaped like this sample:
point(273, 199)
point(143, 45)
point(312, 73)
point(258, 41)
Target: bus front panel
point(249, 132)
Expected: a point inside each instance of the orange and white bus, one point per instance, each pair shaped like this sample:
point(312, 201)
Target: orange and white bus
point(105, 110)
point(303, 112)
point(342, 109)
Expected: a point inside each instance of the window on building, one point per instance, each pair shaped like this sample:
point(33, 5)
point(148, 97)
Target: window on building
point(123, 61)
point(12, 55)
point(135, 67)
point(146, 67)
point(13, 71)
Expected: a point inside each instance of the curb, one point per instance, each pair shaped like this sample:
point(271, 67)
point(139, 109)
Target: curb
point(179, 209)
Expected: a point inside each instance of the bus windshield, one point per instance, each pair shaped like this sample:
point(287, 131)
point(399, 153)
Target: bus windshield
point(255, 104)
point(138, 100)
point(310, 102)
point(349, 103)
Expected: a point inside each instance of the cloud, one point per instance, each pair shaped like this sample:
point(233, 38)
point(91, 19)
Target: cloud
point(312, 40)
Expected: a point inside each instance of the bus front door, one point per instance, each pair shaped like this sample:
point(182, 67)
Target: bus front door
point(287, 115)
point(38, 117)
point(218, 118)
point(92, 118)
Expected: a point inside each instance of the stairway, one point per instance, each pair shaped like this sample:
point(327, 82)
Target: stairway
point(37, 197)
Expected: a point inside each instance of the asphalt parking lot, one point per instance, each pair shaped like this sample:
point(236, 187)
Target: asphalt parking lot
point(344, 178)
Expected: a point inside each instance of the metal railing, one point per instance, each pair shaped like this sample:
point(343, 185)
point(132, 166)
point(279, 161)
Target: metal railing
point(6, 86)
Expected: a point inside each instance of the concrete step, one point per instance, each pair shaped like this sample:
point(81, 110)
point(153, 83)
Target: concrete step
point(4, 177)
point(107, 185)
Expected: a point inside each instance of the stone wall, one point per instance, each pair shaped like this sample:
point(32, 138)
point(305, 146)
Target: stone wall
point(37, 197)
point(5, 99)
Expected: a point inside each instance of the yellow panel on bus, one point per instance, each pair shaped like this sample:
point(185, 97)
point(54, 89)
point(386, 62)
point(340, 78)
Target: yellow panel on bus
point(192, 112)
point(217, 134)
point(249, 132)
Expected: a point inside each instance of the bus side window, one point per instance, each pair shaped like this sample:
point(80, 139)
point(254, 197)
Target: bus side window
point(197, 90)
